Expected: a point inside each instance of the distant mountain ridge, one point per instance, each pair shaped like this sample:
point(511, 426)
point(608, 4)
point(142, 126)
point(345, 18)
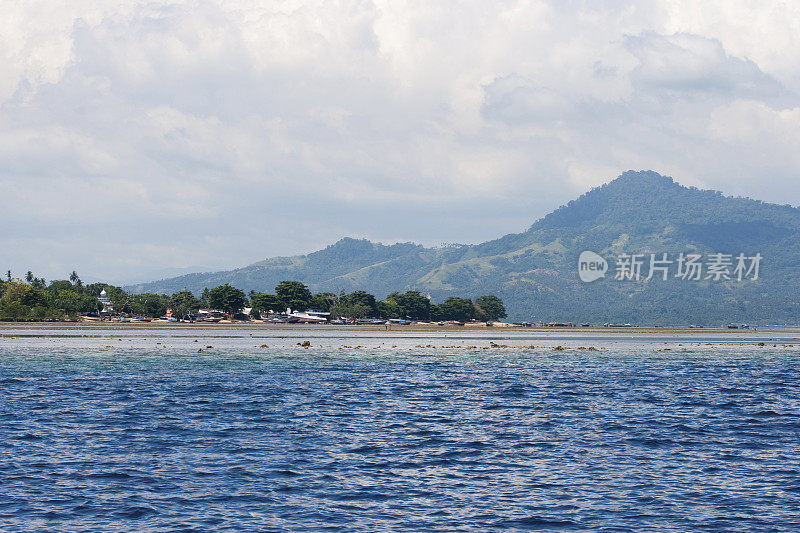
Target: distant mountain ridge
point(535, 272)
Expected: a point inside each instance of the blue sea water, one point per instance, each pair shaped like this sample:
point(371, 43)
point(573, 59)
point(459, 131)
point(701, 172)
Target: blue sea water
point(119, 432)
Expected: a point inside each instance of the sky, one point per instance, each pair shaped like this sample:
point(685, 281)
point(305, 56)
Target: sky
point(145, 138)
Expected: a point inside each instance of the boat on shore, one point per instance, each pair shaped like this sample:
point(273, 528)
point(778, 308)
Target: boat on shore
point(211, 315)
point(370, 321)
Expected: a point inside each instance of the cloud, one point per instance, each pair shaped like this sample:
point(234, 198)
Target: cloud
point(514, 99)
point(165, 134)
point(691, 65)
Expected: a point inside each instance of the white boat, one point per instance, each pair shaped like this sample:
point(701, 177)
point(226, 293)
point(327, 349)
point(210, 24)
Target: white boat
point(307, 318)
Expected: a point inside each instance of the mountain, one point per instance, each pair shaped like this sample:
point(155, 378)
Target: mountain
point(162, 273)
point(536, 272)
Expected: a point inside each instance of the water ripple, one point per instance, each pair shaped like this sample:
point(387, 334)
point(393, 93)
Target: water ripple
point(381, 441)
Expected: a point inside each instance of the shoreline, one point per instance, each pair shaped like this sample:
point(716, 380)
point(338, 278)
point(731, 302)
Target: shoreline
point(432, 328)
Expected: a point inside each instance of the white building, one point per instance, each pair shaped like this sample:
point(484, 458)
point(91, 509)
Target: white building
point(106, 301)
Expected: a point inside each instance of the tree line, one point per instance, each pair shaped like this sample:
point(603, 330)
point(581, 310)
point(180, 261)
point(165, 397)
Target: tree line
point(32, 298)
point(411, 305)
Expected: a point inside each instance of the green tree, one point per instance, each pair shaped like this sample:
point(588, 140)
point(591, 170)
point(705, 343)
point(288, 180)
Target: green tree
point(267, 302)
point(14, 311)
point(45, 313)
point(60, 285)
point(15, 292)
point(29, 276)
point(388, 309)
point(227, 298)
point(363, 300)
point(183, 303)
point(411, 304)
point(18, 298)
point(26, 295)
point(322, 301)
point(490, 308)
point(358, 304)
point(204, 298)
point(154, 305)
point(295, 294)
point(72, 302)
point(455, 308)
point(120, 300)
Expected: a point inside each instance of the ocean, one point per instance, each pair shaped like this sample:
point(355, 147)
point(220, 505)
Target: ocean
point(231, 429)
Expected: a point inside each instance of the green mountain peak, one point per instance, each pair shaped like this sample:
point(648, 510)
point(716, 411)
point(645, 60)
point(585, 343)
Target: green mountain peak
point(535, 272)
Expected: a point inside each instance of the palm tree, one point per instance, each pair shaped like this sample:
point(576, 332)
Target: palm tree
point(29, 276)
point(74, 277)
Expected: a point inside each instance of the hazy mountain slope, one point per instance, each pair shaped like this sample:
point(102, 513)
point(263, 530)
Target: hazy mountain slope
point(340, 266)
point(642, 212)
point(535, 272)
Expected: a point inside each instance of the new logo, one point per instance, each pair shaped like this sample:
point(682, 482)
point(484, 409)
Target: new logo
point(591, 266)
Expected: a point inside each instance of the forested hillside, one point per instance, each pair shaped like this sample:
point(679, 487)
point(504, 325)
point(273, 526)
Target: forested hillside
point(535, 272)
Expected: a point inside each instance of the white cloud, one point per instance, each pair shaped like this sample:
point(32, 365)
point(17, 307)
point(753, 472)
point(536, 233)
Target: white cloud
point(696, 66)
point(152, 121)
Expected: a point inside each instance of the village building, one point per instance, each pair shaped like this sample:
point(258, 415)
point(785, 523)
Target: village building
point(108, 307)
